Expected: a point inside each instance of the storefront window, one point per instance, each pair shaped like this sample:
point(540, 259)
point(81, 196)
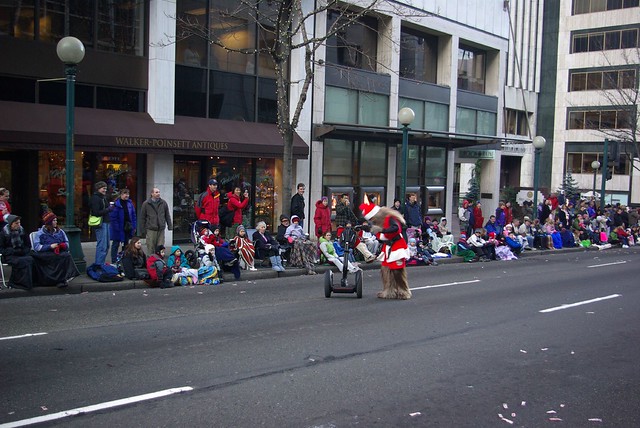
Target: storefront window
point(265, 194)
point(186, 189)
point(16, 19)
point(118, 170)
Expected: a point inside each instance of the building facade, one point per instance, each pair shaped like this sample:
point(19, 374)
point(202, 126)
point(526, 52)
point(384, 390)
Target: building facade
point(592, 60)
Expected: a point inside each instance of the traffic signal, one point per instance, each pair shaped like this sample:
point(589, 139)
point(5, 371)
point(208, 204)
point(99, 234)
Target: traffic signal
point(610, 165)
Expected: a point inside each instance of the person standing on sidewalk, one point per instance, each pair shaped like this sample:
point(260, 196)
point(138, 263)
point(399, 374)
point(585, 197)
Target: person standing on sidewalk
point(99, 206)
point(208, 209)
point(154, 219)
point(123, 223)
point(297, 204)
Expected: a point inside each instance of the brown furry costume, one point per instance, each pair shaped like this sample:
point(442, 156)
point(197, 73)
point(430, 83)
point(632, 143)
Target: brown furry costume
point(389, 224)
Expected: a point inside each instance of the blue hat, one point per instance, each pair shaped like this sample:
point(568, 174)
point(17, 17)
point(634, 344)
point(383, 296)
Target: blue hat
point(212, 181)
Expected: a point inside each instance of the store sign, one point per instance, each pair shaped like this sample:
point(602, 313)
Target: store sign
point(476, 154)
point(514, 148)
point(160, 143)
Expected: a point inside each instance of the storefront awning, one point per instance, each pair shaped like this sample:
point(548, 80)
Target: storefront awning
point(394, 136)
point(43, 127)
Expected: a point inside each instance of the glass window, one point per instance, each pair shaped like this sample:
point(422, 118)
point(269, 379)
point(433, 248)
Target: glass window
point(587, 158)
point(614, 4)
point(578, 81)
point(338, 159)
point(52, 18)
point(598, 5)
point(266, 40)
point(610, 80)
point(510, 121)
point(471, 69)
point(435, 169)
point(191, 91)
point(629, 39)
point(265, 195)
point(628, 79)
point(267, 103)
point(418, 55)
point(612, 40)
point(231, 96)
point(373, 109)
point(121, 26)
point(355, 45)
point(186, 188)
point(16, 19)
point(574, 162)
point(486, 123)
point(624, 119)
point(17, 89)
point(580, 43)
point(344, 105)
point(373, 162)
point(436, 116)
point(592, 120)
point(235, 29)
point(594, 81)
point(607, 119)
point(580, 6)
point(465, 120)
point(576, 120)
point(631, 3)
point(418, 108)
point(596, 42)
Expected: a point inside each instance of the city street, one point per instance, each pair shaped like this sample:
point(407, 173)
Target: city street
point(551, 338)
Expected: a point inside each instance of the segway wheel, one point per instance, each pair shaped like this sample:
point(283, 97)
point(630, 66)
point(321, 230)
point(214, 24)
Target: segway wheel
point(328, 283)
point(359, 284)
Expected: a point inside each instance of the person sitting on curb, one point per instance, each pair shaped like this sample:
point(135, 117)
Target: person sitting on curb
point(484, 251)
point(304, 252)
point(134, 260)
point(267, 246)
point(159, 273)
point(223, 253)
point(15, 249)
point(329, 252)
point(245, 249)
point(53, 264)
point(180, 267)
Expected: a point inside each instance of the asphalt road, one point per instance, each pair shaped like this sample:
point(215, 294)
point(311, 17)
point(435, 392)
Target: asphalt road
point(479, 345)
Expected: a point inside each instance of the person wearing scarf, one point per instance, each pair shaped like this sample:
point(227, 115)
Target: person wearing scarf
point(53, 263)
point(244, 247)
point(15, 249)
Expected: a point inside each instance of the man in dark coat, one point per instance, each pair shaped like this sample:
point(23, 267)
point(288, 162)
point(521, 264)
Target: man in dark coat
point(297, 204)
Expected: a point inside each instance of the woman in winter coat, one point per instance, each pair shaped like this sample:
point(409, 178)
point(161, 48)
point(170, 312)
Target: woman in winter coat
point(267, 246)
point(134, 260)
point(122, 224)
point(53, 264)
point(304, 252)
point(236, 204)
point(322, 217)
point(478, 219)
point(329, 252)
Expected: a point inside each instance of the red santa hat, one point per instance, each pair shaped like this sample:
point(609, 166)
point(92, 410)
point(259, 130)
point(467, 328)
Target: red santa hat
point(492, 235)
point(368, 210)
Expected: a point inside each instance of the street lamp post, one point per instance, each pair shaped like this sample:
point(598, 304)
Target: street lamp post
point(595, 165)
point(71, 52)
point(405, 117)
point(538, 144)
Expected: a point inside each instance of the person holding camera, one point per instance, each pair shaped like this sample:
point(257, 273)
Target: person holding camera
point(238, 202)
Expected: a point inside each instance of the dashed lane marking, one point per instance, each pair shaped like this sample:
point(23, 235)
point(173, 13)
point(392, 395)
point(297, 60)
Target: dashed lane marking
point(584, 302)
point(608, 264)
point(22, 336)
point(96, 407)
point(445, 285)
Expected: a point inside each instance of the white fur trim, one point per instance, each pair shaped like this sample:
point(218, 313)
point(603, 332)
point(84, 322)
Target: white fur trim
point(372, 213)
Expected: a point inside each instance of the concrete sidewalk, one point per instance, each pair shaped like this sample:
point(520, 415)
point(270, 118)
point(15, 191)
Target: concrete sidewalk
point(84, 284)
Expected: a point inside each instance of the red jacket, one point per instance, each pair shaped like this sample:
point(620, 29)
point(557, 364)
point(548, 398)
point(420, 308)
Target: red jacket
point(235, 204)
point(209, 209)
point(394, 250)
point(322, 218)
point(478, 221)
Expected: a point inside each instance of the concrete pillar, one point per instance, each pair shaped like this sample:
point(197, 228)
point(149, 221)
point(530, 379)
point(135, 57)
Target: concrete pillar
point(162, 61)
point(160, 175)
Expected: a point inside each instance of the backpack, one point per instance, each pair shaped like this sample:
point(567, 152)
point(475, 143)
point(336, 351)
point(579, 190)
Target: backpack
point(103, 273)
point(226, 216)
point(198, 204)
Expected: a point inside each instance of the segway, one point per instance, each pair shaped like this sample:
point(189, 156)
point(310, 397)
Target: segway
point(348, 241)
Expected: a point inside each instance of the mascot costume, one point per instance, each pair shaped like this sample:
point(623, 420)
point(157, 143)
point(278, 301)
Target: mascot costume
point(388, 225)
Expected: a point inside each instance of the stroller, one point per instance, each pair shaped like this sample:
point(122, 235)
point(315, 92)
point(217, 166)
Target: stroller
point(195, 256)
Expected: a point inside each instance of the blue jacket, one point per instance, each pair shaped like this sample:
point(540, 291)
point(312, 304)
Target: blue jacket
point(493, 227)
point(116, 225)
point(512, 243)
point(413, 214)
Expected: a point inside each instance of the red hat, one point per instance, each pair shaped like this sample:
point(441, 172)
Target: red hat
point(48, 217)
point(492, 235)
point(368, 210)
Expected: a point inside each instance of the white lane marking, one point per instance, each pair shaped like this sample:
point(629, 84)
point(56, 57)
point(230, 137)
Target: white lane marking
point(22, 336)
point(608, 264)
point(96, 407)
point(445, 285)
point(585, 302)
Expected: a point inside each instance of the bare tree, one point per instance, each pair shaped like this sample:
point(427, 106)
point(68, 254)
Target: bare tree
point(621, 91)
point(287, 28)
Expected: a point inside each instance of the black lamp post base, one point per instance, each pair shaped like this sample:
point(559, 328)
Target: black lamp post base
point(75, 247)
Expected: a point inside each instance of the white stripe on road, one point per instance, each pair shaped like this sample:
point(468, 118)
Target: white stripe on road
point(96, 407)
point(21, 336)
point(608, 264)
point(585, 302)
point(445, 285)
